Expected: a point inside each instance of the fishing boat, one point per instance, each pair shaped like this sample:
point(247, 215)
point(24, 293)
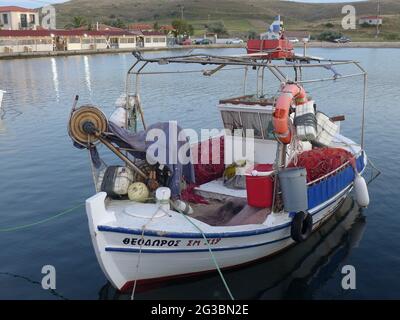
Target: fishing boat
point(273, 44)
point(152, 220)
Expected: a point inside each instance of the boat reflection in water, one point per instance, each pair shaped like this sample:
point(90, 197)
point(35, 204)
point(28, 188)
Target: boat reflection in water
point(289, 275)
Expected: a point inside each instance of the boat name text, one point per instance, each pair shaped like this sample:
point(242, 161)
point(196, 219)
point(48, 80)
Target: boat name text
point(168, 243)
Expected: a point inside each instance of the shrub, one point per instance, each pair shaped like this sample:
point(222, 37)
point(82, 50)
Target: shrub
point(391, 36)
point(329, 35)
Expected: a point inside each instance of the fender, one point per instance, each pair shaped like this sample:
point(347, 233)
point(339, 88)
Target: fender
point(290, 94)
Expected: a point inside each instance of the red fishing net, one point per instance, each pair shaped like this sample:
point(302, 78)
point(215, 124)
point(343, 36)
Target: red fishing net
point(189, 195)
point(204, 168)
point(204, 154)
point(320, 161)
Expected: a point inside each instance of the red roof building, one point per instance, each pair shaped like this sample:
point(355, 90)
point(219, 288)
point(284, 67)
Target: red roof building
point(15, 9)
point(18, 18)
point(140, 27)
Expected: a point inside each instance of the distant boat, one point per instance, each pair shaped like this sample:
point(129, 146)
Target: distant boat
point(2, 92)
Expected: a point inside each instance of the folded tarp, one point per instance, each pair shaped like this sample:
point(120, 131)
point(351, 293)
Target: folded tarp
point(168, 147)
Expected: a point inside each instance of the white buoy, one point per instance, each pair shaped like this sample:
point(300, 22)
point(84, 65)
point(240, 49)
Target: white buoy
point(361, 191)
point(163, 194)
point(138, 192)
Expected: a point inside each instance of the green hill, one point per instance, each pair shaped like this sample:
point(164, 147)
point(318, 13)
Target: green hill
point(239, 16)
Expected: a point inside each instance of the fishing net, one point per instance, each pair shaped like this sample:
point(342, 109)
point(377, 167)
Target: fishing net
point(208, 170)
point(320, 161)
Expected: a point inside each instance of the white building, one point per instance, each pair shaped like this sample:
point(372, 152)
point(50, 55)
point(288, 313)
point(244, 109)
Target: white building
point(371, 20)
point(16, 41)
point(152, 39)
point(18, 18)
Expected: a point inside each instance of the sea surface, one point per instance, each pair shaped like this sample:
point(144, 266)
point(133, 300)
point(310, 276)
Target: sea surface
point(42, 175)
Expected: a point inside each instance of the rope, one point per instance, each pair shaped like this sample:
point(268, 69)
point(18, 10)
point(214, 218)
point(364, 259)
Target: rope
point(378, 172)
point(58, 215)
point(209, 249)
point(140, 250)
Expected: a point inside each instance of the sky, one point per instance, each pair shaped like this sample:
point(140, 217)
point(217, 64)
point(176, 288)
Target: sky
point(40, 3)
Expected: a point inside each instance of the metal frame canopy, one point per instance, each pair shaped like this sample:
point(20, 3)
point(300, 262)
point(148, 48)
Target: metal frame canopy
point(278, 68)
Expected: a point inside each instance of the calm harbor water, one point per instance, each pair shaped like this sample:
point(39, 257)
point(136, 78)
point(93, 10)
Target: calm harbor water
point(41, 174)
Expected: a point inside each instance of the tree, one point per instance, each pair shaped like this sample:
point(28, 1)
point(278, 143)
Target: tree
point(156, 26)
point(182, 27)
point(118, 24)
point(77, 22)
point(217, 27)
point(251, 34)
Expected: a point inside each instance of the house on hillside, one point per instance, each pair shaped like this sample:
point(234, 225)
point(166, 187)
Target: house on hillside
point(167, 29)
point(18, 18)
point(371, 20)
point(298, 36)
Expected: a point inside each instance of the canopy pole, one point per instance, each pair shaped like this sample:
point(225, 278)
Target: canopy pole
point(120, 155)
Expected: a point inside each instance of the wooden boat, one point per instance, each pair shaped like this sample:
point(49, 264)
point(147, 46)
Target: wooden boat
point(154, 240)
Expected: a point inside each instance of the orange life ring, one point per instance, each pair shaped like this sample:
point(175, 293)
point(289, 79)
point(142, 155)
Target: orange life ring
point(290, 93)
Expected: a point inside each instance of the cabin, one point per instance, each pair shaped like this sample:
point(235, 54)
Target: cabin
point(18, 18)
point(371, 20)
point(255, 114)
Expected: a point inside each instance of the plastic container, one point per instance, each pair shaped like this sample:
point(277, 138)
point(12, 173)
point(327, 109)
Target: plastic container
point(294, 189)
point(306, 122)
point(260, 188)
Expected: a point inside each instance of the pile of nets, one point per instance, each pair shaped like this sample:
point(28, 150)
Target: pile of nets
point(320, 161)
point(206, 172)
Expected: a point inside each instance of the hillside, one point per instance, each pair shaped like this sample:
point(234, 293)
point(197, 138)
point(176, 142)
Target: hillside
point(238, 16)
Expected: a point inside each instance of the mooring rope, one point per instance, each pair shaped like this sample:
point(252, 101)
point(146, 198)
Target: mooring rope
point(140, 251)
point(209, 249)
point(58, 215)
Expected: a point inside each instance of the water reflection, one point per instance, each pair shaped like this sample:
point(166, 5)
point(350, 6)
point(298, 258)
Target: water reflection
point(291, 274)
point(55, 78)
point(87, 75)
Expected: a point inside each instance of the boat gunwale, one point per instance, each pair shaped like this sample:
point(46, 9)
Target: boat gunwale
point(232, 234)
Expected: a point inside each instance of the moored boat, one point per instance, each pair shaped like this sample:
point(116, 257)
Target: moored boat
point(153, 219)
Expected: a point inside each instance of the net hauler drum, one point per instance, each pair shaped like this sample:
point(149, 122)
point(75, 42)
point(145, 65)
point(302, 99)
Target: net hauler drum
point(84, 118)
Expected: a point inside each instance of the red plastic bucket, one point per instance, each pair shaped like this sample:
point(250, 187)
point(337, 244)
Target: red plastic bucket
point(260, 188)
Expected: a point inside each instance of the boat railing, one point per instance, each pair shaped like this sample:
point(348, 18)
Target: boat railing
point(329, 174)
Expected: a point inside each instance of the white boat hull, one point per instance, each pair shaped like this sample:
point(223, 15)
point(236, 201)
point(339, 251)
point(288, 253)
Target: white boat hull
point(126, 254)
